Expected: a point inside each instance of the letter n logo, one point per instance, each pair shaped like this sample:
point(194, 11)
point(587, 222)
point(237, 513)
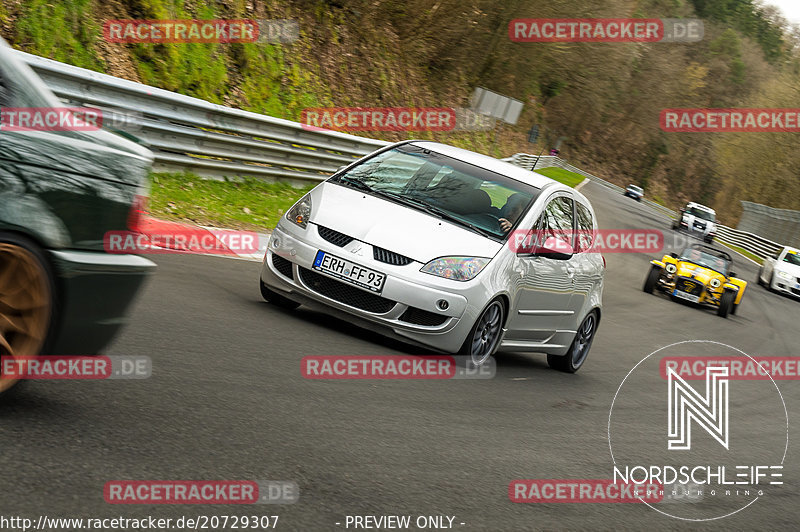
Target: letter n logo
point(685, 405)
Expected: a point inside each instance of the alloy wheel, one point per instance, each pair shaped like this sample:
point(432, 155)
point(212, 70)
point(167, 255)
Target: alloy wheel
point(25, 305)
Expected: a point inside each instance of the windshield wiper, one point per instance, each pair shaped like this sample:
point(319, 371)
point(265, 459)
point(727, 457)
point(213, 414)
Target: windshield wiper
point(441, 213)
point(356, 183)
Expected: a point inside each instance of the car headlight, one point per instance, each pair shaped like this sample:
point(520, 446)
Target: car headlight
point(456, 268)
point(784, 275)
point(300, 211)
point(671, 268)
point(714, 283)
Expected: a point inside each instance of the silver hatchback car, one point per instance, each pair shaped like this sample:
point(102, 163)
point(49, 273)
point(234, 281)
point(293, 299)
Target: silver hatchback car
point(445, 248)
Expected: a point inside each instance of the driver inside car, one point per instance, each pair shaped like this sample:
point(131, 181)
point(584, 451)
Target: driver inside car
point(511, 211)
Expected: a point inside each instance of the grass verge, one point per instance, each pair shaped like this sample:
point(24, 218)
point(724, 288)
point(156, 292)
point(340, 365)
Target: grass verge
point(248, 204)
point(571, 179)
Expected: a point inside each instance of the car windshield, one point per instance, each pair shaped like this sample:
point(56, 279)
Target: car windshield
point(700, 213)
point(707, 259)
point(459, 192)
point(635, 188)
point(792, 258)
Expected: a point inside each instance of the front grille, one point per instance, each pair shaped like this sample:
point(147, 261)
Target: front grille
point(690, 286)
point(390, 257)
point(418, 316)
point(283, 266)
point(344, 293)
point(334, 237)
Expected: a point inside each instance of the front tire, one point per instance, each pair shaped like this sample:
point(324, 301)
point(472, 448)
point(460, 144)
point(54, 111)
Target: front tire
point(652, 279)
point(276, 299)
point(579, 349)
point(27, 301)
point(484, 337)
point(726, 303)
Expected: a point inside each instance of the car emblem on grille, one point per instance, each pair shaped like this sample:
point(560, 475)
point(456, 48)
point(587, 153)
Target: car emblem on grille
point(356, 249)
point(689, 286)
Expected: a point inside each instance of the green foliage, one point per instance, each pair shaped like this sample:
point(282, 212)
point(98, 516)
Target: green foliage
point(748, 18)
point(245, 204)
point(565, 177)
point(64, 31)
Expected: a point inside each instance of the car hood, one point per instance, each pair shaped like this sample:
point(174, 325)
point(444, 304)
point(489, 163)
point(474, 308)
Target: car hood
point(704, 275)
point(395, 227)
point(791, 269)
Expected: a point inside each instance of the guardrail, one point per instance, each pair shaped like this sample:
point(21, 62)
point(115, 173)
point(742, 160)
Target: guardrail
point(212, 140)
point(757, 245)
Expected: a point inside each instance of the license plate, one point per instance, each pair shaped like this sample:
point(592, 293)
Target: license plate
point(684, 295)
point(349, 271)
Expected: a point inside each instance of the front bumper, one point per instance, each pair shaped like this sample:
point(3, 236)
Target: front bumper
point(705, 232)
point(406, 308)
point(786, 286)
point(95, 291)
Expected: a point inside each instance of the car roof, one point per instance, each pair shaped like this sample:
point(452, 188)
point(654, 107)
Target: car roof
point(488, 163)
point(700, 206)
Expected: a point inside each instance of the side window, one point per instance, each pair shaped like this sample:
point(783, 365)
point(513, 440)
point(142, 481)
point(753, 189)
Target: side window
point(585, 227)
point(557, 220)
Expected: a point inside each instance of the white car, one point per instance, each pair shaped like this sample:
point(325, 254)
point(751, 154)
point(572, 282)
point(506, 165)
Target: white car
point(634, 192)
point(696, 218)
point(782, 272)
point(421, 241)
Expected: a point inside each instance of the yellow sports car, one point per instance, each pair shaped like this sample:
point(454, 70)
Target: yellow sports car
point(701, 274)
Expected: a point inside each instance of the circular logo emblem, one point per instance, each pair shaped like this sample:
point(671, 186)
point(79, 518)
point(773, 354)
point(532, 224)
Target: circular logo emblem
point(706, 423)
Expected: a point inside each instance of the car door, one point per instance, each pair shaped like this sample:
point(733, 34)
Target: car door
point(545, 301)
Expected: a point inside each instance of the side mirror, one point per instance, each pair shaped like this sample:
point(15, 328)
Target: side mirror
point(554, 248)
point(731, 274)
point(673, 255)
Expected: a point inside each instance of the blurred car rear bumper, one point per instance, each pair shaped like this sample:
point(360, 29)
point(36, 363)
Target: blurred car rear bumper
point(95, 292)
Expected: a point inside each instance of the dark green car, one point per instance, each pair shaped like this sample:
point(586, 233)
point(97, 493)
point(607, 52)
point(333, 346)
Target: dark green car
point(60, 192)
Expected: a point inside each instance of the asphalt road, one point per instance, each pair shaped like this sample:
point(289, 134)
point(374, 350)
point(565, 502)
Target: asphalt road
point(227, 401)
